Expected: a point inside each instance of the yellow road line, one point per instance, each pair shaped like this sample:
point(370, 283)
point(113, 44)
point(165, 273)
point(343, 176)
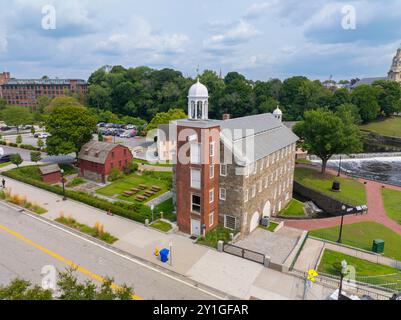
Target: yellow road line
point(60, 258)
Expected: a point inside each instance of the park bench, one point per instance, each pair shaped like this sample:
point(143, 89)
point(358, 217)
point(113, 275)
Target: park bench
point(128, 193)
point(141, 198)
point(142, 187)
point(156, 189)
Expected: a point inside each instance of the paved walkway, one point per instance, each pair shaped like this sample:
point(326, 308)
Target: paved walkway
point(235, 276)
point(375, 204)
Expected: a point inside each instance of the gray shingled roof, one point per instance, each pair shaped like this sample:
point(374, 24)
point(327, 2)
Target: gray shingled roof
point(269, 135)
point(96, 151)
point(49, 169)
point(368, 81)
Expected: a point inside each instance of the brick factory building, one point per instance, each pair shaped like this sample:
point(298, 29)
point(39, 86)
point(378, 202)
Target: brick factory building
point(25, 92)
point(235, 171)
point(97, 159)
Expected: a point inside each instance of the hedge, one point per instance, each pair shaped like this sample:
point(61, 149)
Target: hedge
point(28, 147)
point(136, 212)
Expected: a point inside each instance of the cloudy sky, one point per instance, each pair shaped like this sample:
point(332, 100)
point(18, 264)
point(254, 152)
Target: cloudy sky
point(261, 39)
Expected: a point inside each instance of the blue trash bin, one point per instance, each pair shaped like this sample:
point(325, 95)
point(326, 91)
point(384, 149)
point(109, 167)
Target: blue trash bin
point(164, 255)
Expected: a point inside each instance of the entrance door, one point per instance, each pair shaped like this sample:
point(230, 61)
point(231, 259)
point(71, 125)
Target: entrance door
point(195, 227)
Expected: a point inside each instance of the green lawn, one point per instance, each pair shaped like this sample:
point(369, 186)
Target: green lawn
point(5, 164)
point(362, 234)
point(157, 164)
point(75, 182)
point(272, 227)
point(167, 208)
point(392, 204)
point(161, 225)
point(388, 127)
point(117, 188)
point(294, 209)
point(34, 173)
point(215, 235)
point(352, 191)
point(366, 271)
point(303, 161)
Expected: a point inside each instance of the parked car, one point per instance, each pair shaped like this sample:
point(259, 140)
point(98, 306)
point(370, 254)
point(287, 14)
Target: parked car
point(101, 125)
point(5, 128)
point(42, 135)
point(128, 134)
point(129, 127)
point(5, 158)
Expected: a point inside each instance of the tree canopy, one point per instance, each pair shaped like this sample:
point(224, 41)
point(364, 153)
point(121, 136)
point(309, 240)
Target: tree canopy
point(70, 127)
point(165, 118)
point(16, 115)
point(324, 134)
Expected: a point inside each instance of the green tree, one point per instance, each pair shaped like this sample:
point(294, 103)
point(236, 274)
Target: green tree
point(343, 109)
point(389, 97)
point(42, 103)
point(36, 156)
point(340, 96)
point(20, 289)
point(18, 140)
point(40, 143)
point(16, 116)
point(99, 96)
point(325, 134)
point(16, 159)
point(61, 101)
point(70, 128)
point(100, 137)
point(165, 118)
point(3, 103)
point(33, 131)
point(365, 97)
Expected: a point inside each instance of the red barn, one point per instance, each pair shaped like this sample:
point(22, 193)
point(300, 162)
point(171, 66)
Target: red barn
point(97, 159)
point(51, 174)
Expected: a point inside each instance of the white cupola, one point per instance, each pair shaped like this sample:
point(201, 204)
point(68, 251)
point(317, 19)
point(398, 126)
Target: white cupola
point(278, 114)
point(198, 102)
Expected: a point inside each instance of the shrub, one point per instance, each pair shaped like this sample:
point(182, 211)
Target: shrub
point(136, 212)
point(3, 143)
point(28, 147)
point(36, 156)
point(75, 182)
point(16, 159)
point(11, 144)
point(130, 168)
point(114, 175)
point(19, 139)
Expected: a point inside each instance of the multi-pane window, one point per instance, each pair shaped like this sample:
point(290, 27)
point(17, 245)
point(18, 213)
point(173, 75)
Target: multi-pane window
point(230, 222)
point(223, 194)
point(211, 196)
point(253, 191)
point(195, 179)
point(246, 195)
point(195, 203)
point(195, 153)
point(223, 170)
point(260, 185)
point(211, 171)
point(212, 149)
point(211, 219)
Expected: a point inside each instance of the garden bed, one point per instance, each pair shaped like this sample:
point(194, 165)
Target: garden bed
point(96, 231)
point(294, 208)
point(162, 226)
point(217, 234)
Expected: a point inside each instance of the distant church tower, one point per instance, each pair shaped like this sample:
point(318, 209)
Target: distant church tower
point(198, 102)
point(395, 71)
point(278, 114)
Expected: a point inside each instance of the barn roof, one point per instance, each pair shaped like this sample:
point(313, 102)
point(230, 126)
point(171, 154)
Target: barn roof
point(95, 151)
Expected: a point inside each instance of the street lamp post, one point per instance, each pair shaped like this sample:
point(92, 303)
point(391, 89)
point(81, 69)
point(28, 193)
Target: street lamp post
point(339, 167)
point(343, 208)
point(63, 182)
point(343, 273)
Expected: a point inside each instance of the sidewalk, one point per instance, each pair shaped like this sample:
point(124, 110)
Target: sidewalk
point(235, 276)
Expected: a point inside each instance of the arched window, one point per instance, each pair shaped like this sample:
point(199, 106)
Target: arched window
point(193, 110)
point(199, 110)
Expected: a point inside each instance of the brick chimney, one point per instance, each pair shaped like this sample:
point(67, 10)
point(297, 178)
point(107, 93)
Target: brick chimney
point(4, 77)
point(226, 116)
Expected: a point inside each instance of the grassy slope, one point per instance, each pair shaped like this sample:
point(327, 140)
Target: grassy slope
point(362, 234)
point(294, 209)
point(389, 127)
point(352, 191)
point(363, 268)
point(392, 204)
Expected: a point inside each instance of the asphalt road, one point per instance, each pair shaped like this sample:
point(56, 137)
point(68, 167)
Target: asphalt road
point(28, 244)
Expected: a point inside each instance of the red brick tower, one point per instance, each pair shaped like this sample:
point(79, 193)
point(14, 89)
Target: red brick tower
point(197, 166)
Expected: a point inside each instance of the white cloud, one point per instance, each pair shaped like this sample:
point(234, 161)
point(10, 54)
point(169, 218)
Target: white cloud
point(233, 35)
point(258, 9)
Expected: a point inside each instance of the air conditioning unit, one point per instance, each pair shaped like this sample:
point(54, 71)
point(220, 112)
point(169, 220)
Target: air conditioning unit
point(265, 222)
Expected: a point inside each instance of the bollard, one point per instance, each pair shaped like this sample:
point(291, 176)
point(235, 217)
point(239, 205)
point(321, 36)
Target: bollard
point(267, 261)
point(220, 245)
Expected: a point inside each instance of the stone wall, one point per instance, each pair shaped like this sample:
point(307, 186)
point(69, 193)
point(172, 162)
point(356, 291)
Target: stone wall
point(377, 143)
point(331, 206)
